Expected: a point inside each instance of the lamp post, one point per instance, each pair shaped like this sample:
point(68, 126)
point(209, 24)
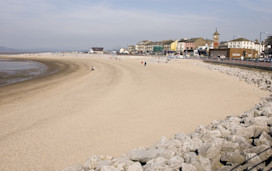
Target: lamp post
point(261, 40)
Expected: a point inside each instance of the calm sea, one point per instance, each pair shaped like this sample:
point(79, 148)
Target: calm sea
point(17, 70)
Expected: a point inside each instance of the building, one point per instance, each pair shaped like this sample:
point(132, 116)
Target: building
point(216, 40)
point(181, 46)
point(223, 45)
point(167, 45)
point(147, 46)
point(97, 50)
point(268, 47)
point(141, 46)
point(170, 46)
point(131, 49)
point(194, 43)
point(233, 53)
point(173, 46)
point(242, 43)
point(123, 51)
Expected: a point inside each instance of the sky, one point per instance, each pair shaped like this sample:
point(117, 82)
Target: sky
point(112, 24)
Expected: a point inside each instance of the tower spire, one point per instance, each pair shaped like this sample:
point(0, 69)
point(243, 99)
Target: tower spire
point(216, 39)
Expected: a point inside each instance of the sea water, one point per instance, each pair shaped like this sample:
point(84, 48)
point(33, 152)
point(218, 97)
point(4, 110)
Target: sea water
point(17, 70)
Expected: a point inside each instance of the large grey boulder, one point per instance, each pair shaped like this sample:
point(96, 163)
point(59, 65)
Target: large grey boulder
point(135, 167)
point(259, 129)
point(229, 146)
point(202, 164)
point(243, 142)
point(189, 157)
point(246, 132)
point(260, 120)
point(211, 149)
point(253, 161)
point(144, 155)
point(233, 157)
point(175, 162)
point(122, 163)
point(264, 139)
point(263, 151)
point(187, 167)
point(108, 168)
point(224, 132)
point(157, 164)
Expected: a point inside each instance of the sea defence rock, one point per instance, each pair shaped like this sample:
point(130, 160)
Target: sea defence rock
point(261, 79)
point(241, 142)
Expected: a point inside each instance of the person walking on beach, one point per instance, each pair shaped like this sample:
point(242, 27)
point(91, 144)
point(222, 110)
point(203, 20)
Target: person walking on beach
point(144, 63)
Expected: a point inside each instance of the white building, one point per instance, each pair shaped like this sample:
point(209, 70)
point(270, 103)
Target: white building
point(124, 51)
point(181, 45)
point(242, 43)
point(141, 46)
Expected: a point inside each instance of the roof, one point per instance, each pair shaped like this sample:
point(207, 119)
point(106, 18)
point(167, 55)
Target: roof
point(97, 48)
point(182, 40)
point(240, 40)
point(167, 42)
point(193, 39)
point(143, 42)
point(216, 32)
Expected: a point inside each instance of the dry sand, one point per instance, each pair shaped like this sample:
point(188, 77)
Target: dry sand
point(60, 120)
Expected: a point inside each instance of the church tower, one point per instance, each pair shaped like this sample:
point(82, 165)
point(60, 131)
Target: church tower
point(216, 40)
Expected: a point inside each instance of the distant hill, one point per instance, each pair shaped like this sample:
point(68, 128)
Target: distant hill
point(6, 49)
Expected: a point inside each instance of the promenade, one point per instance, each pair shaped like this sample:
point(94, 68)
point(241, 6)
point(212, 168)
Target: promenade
point(255, 63)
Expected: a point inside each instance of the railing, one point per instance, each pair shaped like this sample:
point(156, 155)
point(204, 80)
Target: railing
point(246, 62)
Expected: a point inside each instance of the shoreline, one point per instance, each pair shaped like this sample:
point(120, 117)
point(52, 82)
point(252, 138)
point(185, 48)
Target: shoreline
point(45, 68)
point(55, 69)
point(109, 111)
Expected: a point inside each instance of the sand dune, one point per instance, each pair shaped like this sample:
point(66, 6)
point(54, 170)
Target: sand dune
point(60, 120)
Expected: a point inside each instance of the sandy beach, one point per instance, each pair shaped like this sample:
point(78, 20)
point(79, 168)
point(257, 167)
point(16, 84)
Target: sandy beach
point(60, 120)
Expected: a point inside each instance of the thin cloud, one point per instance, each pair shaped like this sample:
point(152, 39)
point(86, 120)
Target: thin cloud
point(81, 24)
point(261, 6)
point(100, 22)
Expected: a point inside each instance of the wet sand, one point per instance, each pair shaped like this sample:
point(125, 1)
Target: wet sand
point(60, 120)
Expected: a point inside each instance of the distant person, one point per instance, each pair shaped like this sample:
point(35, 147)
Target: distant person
point(92, 68)
point(144, 63)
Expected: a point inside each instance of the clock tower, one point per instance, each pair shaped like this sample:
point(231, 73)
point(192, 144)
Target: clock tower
point(216, 40)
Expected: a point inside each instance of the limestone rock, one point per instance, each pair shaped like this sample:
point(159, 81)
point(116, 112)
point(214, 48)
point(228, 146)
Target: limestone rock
point(143, 155)
point(264, 139)
point(233, 157)
point(175, 162)
point(211, 149)
point(187, 167)
point(159, 163)
point(109, 168)
point(243, 142)
point(135, 167)
point(247, 132)
point(202, 164)
point(190, 157)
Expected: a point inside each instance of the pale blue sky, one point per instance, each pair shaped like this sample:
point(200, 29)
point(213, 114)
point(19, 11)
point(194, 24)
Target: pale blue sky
point(81, 24)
